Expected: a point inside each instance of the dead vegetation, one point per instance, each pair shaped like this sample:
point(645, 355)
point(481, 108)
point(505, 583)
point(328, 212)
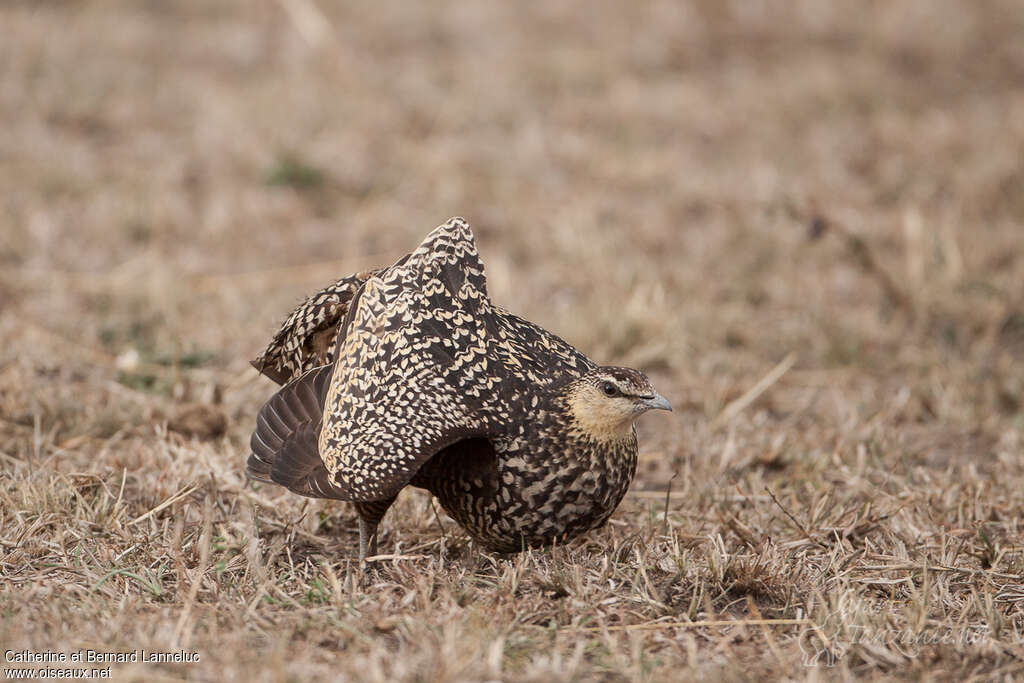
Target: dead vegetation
point(805, 221)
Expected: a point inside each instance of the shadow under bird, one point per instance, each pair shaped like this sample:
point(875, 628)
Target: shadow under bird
point(409, 375)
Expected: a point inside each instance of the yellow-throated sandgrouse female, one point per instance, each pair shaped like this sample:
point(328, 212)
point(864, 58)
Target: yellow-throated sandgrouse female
point(410, 375)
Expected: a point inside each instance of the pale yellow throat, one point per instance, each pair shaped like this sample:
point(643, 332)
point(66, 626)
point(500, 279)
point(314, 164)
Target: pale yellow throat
point(599, 417)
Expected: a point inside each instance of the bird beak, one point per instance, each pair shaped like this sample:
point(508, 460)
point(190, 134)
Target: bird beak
point(657, 402)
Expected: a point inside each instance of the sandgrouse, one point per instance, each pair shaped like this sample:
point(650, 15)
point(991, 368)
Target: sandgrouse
point(409, 375)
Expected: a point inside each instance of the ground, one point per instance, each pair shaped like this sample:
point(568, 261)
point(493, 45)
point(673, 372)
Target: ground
point(803, 220)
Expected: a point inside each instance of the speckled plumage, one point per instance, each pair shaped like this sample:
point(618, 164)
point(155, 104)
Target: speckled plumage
point(409, 375)
point(310, 334)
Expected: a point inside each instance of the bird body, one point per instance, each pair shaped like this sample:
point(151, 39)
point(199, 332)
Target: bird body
point(409, 375)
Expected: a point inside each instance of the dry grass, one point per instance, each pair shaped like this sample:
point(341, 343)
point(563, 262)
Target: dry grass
point(697, 189)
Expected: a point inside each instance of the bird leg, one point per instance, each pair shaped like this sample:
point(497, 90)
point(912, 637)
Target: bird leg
point(370, 514)
point(367, 540)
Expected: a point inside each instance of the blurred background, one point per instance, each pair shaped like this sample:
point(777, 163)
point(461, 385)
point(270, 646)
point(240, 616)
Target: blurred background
point(695, 188)
point(705, 190)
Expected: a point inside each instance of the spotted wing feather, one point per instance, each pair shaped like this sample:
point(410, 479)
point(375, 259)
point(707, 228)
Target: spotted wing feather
point(413, 371)
point(308, 338)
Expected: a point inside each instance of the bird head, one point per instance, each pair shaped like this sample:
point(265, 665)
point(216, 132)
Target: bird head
point(606, 400)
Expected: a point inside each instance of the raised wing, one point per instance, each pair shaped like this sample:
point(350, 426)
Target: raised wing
point(418, 359)
point(413, 374)
point(308, 339)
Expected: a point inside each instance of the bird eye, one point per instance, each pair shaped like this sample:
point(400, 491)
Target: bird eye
point(609, 389)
